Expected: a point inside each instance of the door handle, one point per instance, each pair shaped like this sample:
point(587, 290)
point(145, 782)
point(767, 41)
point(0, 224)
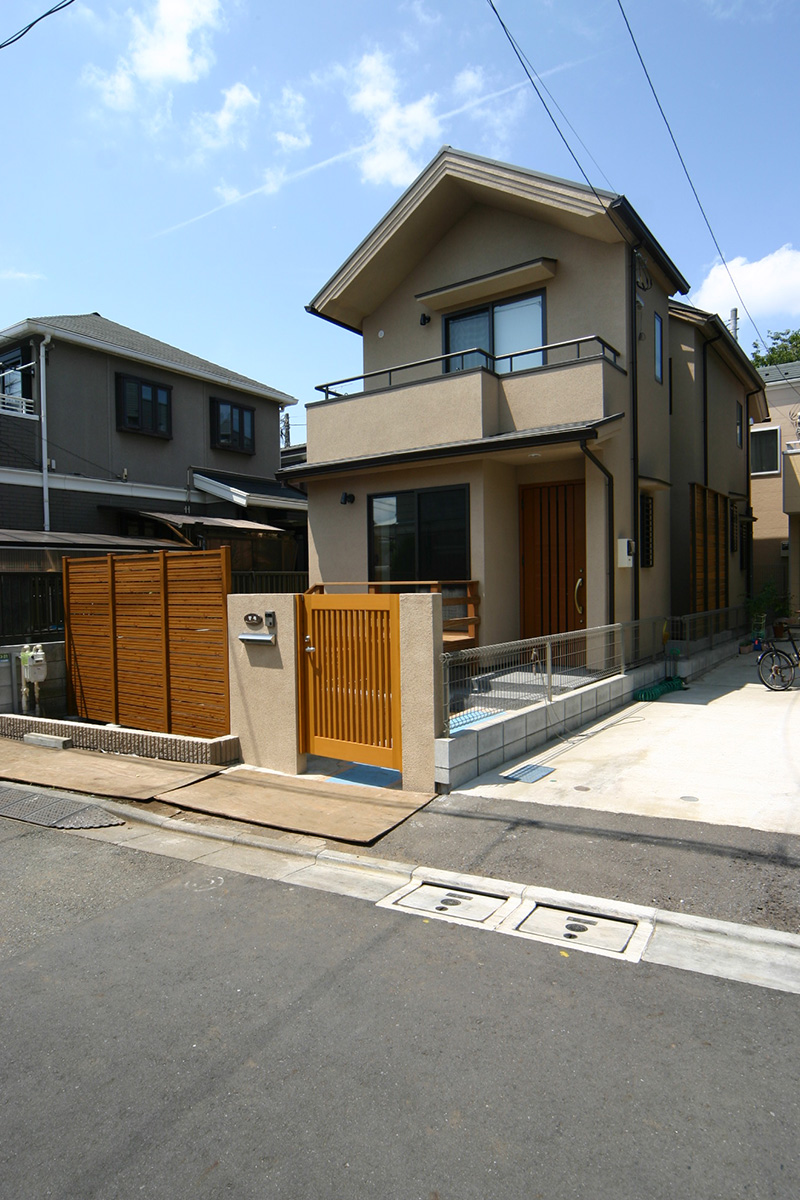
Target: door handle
point(578, 585)
point(309, 649)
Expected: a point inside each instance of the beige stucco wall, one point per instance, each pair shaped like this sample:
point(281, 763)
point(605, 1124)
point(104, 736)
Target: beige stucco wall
point(421, 689)
point(585, 297)
point(774, 496)
point(263, 685)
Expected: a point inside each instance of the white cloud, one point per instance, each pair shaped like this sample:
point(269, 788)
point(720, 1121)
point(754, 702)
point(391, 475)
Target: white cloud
point(12, 276)
point(291, 112)
point(770, 286)
point(214, 131)
point(424, 13)
point(170, 45)
point(398, 131)
point(468, 82)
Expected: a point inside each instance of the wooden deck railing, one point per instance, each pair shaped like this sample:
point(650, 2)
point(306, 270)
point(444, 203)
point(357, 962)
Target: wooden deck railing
point(460, 599)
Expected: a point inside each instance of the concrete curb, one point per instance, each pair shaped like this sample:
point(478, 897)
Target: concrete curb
point(659, 918)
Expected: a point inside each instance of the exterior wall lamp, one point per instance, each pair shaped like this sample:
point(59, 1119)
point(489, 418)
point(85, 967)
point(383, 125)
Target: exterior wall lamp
point(425, 319)
point(347, 498)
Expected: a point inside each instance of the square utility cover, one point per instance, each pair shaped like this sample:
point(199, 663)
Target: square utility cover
point(451, 902)
point(585, 929)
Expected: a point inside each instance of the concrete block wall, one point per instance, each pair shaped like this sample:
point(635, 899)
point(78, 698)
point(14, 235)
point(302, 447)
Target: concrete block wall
point(470, 752)
point(52, 693)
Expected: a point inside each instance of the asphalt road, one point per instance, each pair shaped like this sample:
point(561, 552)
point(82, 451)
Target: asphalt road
point(169, 1032)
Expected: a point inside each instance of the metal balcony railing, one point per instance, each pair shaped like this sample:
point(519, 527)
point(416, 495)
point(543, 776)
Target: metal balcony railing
point(535, 358)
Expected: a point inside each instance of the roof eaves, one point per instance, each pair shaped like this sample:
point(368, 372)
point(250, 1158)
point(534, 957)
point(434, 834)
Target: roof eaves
point(518, 440)
point(33, 326)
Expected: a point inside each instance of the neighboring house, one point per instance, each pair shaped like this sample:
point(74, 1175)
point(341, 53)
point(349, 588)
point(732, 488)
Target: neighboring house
point(773, 468)
point(535, 416)
point(106, 431)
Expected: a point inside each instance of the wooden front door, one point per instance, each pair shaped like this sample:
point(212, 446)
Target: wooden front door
point(552, 558)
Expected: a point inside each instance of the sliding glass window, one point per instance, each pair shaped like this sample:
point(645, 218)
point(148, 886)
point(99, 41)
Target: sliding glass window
point(506, 330)
point(419, 535)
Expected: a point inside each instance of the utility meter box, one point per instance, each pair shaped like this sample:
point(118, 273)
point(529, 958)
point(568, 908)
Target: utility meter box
point(34, 670)
point(626, 548)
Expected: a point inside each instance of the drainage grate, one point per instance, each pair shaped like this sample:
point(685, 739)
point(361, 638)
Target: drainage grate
point(56, 812)
point(451, 902)
point(582, 929)
point(528, 774)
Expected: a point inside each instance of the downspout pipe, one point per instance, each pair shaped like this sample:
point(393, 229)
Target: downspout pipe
point(43, 418)
point(634, 363)
point(707, 342)
point(610, 530)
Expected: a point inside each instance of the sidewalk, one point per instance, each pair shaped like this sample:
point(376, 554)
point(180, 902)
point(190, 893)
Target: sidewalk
point(688, 804)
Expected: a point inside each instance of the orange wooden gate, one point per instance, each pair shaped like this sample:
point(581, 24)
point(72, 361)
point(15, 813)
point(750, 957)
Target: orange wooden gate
point(349, 678)
point(147, 640)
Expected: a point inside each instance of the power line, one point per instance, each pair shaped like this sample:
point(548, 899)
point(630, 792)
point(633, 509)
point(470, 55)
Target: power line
point(15, 37)
point(688, 176)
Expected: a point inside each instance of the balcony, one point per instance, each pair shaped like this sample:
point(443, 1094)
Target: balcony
point(463, 396)
point(791, 478)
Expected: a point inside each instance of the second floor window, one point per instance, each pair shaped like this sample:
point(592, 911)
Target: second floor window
point(765, 451)
point(233, 427)
point(506, 327)
point(658, 339)
point(144, 406)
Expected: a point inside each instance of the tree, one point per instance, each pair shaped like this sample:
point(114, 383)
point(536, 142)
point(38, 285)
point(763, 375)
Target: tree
point(785, 348)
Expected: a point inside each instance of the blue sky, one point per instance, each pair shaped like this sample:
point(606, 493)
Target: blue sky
point(197, 169)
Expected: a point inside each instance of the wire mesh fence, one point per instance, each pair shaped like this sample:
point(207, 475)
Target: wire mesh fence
point(488, 681)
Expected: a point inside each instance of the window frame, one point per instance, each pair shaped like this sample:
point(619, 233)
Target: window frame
point(490, 307)
point(237, 447)
point(14, 360)
point(658, 347)
point(773, 471)
point(124, 425)
point(464, 488)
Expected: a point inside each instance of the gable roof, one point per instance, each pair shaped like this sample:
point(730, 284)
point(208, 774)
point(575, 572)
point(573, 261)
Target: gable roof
point(451, 184)
point(780, 372)
point(90, 329)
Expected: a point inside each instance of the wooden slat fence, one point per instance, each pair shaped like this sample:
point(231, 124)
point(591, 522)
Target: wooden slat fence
point(147, 640)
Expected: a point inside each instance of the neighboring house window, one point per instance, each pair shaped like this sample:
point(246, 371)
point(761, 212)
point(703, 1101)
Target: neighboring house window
point(645, 530)
point(765, 451)
point(233, 426)
point(419, 535)
point(14, 382)
point(143, 406)
point(504, 328)
point(733, 525)
point(659, 349)
point(739, 423)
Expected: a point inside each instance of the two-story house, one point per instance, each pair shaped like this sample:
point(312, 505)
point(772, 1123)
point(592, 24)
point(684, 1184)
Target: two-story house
point(534, 416)
point(105, 431)
point(774, 459)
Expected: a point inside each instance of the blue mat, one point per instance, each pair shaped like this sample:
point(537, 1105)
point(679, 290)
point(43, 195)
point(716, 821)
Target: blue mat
point(366, 776)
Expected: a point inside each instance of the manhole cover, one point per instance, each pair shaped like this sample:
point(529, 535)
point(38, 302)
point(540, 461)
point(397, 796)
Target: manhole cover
point(451, 902)
point(56, 812)
point(585, 929)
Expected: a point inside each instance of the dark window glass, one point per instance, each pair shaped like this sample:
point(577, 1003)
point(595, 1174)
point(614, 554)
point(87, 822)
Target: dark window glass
point(11, 380)
point(464, 332)
point(232, 426)
point(419, 535)
point(144, 407)
point(734, 526)
point(765, 452)
point(659, 349)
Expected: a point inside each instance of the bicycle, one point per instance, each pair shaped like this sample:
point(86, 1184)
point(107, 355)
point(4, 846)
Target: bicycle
point(776, 667)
